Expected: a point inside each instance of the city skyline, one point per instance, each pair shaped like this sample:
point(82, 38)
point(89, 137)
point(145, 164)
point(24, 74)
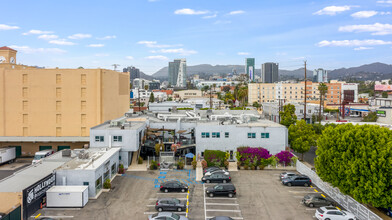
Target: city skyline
point(329, 34)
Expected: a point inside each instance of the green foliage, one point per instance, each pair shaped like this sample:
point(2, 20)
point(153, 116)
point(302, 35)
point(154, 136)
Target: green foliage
point(214, 157)
point(287, 116)
point(331, 110)
point(107, 184)
point(180, 164)
point(256, 105)
point(357, 160)
point(152, 98)
point(184, 108)
point(140, 160)
point(170, 99)
point(158, 147)
point(384, 94)
point(239, 108)
point(301, 137)
point(121, 169)
point(154, 165)
point(204, 164)
point(371, 117)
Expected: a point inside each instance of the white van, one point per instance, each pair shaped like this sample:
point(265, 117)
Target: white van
point(42, 154)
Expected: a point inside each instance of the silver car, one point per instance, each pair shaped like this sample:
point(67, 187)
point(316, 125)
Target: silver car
point(287, 174)
point(166, 216)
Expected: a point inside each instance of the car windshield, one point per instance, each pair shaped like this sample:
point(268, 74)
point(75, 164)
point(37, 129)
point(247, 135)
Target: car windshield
point(38, 157)
point(155, 215)
point(176, 201)
point(175, 216)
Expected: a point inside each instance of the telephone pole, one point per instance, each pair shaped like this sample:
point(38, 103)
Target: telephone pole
point(305, 94)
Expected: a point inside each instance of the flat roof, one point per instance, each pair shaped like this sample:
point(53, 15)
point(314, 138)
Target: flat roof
point(61, 189)
point(132, 125)
point(29, 176)
point(97, 157)
point(43, 139)
point(258, 123)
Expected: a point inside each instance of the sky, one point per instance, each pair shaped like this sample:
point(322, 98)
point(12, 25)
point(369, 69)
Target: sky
point(148, 34)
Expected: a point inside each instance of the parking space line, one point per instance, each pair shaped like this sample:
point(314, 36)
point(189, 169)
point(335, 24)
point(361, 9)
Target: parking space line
point(151, 213)
point(38, 215)
point(222, 210)
point(323, 195)
point(239, 218)
point(221, 198)
point(158, 198)
point(52, 216)
point(204, 194)
point(168, 193)
point(150, 205)
point(222, 204)
point(316, 190)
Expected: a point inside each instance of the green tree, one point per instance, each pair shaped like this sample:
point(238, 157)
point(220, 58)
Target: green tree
point(243, 95)
point(145, 87)
point(323, 89)
point(170, 99)
point(287, 116)
point(152, 98)
point(384, 94)
point(371, 93)
point(301, 137)
point(256, 105)
point(358, 160)
point(228, 97)
point(371, 117)
point(226, 89)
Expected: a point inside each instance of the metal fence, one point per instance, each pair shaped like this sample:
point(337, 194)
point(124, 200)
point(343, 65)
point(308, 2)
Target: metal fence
point(346, 201)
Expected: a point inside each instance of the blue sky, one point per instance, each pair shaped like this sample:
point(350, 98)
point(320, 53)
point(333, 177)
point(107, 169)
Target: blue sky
point(149, 33)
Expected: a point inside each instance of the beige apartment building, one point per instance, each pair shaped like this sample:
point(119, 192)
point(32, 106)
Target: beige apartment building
point(292, 92)
point(55, 108)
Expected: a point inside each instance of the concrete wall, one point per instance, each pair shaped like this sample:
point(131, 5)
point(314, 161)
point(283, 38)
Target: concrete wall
point(78, 176)
point(29, 149)
point(238, 136)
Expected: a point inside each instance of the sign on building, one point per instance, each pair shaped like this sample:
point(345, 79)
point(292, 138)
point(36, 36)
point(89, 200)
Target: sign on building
point(381, 113)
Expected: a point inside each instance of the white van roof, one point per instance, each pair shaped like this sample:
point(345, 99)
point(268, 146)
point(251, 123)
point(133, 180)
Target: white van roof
point(43, 152)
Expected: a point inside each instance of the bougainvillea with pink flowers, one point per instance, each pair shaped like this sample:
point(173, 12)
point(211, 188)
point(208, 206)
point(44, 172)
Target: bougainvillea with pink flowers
point(284, 157)
point(253, 152)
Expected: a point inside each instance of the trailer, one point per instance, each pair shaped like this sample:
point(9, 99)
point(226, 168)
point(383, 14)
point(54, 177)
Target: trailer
point(67, 196)
point(7, 154)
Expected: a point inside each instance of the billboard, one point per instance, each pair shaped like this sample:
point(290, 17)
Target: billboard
point(381, 113)
point(251, 73)
point(383, 87)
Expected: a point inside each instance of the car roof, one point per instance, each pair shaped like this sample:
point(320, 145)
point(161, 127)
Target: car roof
point(172, 181)
point(166, 199)
point(222, 218)
point(225, 184)
point(329, 208)
point(164, 214)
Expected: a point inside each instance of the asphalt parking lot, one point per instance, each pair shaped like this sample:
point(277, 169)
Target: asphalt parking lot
point(260, 195)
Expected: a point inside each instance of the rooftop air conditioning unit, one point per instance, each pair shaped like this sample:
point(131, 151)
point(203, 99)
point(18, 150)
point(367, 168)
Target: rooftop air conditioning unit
point(66, 153)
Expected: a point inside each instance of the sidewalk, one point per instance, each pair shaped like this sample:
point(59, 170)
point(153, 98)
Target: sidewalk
point(135, 166)
point(233, 166)
point(199, 171)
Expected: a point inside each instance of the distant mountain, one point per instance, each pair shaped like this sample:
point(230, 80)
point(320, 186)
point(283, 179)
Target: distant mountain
point(373, 71)
point(145, 76)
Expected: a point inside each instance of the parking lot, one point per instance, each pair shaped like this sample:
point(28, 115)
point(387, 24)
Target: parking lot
point(260, 195)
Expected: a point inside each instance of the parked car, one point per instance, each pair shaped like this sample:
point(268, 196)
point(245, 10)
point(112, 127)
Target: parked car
point(387, 211)
point(173, 186)
point(221, 218)
point(297, 181)
point(170, 204)
point(226, 189)
point(216, 178)
point(287, 174)
point(166, 216)
point(316, 200)
point(217, 171)
point(333, 213)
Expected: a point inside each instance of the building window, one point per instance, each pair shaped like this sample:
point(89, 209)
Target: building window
point(99, 139)
point(117, 138)
point(205, 134)
point(215, 134)
point(85, 183)
point(251, 135)
point(98, 184)
point(264, 135)
point(301, 111)
point(226, 134)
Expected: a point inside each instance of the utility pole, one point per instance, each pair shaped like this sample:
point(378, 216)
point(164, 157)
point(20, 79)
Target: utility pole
point(210, 98)
point(305, 94)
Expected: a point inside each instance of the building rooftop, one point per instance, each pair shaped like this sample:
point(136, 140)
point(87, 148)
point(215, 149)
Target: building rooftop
point(62, 189)
point(89, 159)
point(43, 139)
point(33, 173)
point(6, 48)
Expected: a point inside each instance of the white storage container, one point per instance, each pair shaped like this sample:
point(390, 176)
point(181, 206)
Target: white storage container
point(7, 154)
point(67, 196)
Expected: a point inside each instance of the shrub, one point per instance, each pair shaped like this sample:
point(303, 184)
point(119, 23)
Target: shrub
point(284, 157)
point(238, 157)
point(226, 163)
point(140, 160)
point(154, 165)
point(121, 169)
point(107, 184)
point(253, 153)
point(294, 160)
point(181, 164)
point(194, 164)
point(204, 164)
point(214, 157)
point(246, 167)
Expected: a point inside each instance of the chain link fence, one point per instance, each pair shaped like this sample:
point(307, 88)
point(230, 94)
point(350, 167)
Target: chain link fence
point(346, 201)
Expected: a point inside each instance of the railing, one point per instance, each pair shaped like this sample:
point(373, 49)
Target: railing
point(359, 210)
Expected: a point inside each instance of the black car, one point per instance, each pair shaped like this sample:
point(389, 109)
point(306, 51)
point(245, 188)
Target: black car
point(297, 181)
point(173, 186)
point(387, 211)
point(316, 200)
point(170, 204)
point(226, 189)
point(218, 177)
point(221, 218)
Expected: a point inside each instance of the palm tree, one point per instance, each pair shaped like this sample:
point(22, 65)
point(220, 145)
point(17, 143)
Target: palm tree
point(243, 94)
point(323, 89)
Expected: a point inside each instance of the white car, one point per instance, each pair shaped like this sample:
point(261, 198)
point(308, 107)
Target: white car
point(333, 213)
point(287, 175)
point(217, 171)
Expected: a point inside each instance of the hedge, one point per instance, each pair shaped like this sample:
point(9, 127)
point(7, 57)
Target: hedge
point(214, 157)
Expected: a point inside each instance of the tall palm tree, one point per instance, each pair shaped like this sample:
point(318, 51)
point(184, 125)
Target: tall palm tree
point(323, 89)
point(243, 94)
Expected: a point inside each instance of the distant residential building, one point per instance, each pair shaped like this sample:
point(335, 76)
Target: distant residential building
point(271, 110)
point(187, 94)
point(250, 68)
point(177, 73)
point(154, 85)
point(270, 72)
point(133, 72)
point(201, 84)
point(320, 75)
point(140, 83)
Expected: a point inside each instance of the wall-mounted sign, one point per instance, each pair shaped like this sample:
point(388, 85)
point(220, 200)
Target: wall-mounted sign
point(381, 113)
point(38, 190)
